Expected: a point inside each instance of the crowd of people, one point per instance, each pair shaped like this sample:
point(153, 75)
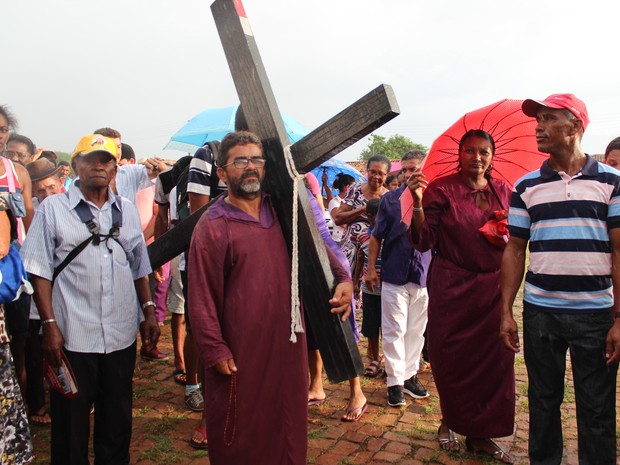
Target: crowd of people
point(430, 287)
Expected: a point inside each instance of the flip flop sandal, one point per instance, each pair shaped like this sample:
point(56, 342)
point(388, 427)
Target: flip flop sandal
point(373, 370)
point(361, 409)
point(315, 401)
point(199, 438)
point(497, 454)
point(180, 377)
point(451, 440)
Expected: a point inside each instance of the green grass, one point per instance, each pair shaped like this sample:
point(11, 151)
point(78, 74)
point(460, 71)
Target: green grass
point(433, 458)
point(141, 412)
point(317, 433)
point(162, 451)
point(569, 393)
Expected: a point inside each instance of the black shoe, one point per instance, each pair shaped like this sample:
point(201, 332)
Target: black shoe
point(395, 396)
point(414, 388)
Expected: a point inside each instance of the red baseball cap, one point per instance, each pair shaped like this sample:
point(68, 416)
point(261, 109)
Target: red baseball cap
point(566, 101)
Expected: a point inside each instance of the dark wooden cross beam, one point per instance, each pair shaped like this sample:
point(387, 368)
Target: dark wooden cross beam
point(347, 127)
point(335, 339)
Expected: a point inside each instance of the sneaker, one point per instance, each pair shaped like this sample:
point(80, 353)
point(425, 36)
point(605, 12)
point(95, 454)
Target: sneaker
point(414, 388)
point(154, 355)
point(194, 401)
point(395, 396)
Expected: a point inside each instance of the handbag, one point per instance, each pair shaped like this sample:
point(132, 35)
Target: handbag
point(13, 277)
point(16, 199)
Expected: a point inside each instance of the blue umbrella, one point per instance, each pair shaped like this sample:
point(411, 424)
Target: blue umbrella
point(214, 124)
point(334, 166)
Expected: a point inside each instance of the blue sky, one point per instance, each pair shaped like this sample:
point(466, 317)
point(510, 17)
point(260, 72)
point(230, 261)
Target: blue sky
point(145, 67)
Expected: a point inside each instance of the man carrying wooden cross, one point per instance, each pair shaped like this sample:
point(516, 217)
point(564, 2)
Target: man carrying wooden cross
point(240, 296)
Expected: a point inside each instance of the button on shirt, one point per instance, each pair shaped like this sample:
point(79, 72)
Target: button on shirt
point(401, 263)
point(94, 298)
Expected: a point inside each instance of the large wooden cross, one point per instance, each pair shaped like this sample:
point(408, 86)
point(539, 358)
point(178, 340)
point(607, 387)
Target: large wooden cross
point(335, 339)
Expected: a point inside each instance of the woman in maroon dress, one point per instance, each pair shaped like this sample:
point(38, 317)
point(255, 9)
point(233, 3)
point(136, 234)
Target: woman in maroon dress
point(473, 371)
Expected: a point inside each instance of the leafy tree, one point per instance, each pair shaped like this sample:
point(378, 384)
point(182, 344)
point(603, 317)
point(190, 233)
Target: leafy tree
point(393, 148)
point(66, 156)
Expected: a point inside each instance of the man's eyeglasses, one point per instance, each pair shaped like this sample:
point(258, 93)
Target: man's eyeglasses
point(243, 162)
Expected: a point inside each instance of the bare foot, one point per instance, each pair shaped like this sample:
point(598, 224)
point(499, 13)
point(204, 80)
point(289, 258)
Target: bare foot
point(316, 396)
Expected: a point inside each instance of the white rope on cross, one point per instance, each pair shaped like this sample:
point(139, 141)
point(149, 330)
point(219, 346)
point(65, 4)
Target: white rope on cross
point(296, 324)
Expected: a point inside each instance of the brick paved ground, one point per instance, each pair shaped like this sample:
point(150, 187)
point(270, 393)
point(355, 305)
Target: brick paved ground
point(407, 436)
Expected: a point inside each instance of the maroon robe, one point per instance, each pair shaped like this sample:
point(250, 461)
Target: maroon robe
point(473, 370)
point(240, 307)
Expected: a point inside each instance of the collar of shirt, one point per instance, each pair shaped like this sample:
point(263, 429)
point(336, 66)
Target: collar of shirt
point(589, 169)
point(76, 195)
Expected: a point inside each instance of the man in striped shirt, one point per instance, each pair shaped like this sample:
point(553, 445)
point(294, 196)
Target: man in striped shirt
point(569, 212)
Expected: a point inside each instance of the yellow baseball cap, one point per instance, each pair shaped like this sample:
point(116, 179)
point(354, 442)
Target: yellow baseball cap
point(95, 143)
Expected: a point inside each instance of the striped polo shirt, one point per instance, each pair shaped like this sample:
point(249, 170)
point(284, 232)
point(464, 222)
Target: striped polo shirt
point(566, 220)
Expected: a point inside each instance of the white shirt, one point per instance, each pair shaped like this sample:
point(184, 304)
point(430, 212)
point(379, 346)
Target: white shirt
point(338, 231)
point(94, 298)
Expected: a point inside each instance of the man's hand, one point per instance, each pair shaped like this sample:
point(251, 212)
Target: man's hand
point(149, 330)
point(417, 183)
point(154, 166)
point(158, 274)
point(324, 177)
point(341, 300)
point(52, 344)
point(226, 367)
point(372, 279)
point(509, 333)
point(612, 348)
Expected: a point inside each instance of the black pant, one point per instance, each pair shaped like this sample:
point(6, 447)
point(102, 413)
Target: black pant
point(106, 381)
point(35, 390)
point(546, 338)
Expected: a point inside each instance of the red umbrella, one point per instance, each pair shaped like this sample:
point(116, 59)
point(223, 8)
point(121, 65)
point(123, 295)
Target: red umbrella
point(516, 151)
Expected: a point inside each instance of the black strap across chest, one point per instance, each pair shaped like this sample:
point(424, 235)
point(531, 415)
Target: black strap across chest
point(96, 238)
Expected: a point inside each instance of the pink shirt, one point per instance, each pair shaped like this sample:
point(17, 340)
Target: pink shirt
point(144, 203)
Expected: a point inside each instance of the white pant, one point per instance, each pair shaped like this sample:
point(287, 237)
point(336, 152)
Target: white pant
point(403, 322)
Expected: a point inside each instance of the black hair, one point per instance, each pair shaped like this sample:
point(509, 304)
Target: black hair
point(613, 145)
point(477, 133)
point(343, 180)
point(413, 154)
point(380, 159)
point(108, 132)
point(233, 139)
point(63, 163)
point(390, 178)
point(127, 152)
point(23, 140)
point(372, 207)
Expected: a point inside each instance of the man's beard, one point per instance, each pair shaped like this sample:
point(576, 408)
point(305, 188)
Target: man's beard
point(247, 190)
